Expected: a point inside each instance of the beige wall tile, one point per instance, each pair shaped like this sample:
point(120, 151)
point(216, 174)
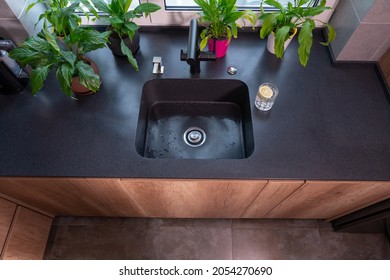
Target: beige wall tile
point(5, 10)
point(365, 42)
point(11, 29)
point(379, 12)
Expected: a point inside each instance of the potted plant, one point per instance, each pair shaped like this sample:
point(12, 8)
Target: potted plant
point(43, 53)
point(63, 15)
point(124, 38)
point(282, 25)
point(219, 17)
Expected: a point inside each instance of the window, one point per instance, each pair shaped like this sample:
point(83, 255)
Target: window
point(190, 4)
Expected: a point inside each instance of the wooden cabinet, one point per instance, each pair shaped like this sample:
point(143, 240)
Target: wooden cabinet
point(73, 196)
point(270, 196)
point(7, 211)
point(135, 197)
point(27, 236)
point(329, 199)
point(194, 198)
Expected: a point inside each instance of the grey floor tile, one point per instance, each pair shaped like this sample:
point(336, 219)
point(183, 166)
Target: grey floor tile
point(94, 242)
point(298, 244)
point(198, 243)
point(253, 244)
point(142, 238)
point(276, 244)
point(274, 223)
point(353, 246)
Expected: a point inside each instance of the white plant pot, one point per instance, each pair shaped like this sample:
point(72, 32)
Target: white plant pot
point(271, 42)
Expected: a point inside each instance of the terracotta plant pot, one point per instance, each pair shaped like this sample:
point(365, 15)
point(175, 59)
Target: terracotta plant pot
point(77, 87)
point(115, 44)
point(220, 46)
point(271, 41)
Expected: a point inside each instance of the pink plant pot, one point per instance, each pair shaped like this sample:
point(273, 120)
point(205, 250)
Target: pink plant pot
point(221, 47)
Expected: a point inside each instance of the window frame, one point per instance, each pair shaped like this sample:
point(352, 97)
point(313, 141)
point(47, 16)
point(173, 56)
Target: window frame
point(176, 17)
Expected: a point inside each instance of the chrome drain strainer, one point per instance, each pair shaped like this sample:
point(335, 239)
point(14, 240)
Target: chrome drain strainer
point(194, 136)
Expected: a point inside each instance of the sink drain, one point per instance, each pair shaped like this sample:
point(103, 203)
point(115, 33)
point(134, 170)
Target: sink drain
point(194, 136)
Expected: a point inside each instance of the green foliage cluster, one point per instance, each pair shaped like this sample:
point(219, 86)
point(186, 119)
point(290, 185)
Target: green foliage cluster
point(120, 18)
point(297, 14)
point(46, 51)
point(219, 17)
point(63, 15)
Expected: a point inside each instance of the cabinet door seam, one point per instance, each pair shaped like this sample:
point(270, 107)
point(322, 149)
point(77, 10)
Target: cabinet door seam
point(303, 183)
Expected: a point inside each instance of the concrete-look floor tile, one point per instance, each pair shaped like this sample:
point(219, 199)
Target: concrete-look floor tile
point(274, 223)
point(298, 244)
point(253, 244)
point(101, 242)
point(322, 225)
point(215, 223)
point(352, 246)
point(197, 243)
point(85, 221)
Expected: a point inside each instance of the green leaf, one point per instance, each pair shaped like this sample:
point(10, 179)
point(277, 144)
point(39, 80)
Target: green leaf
point(69, 57)
point(204, 41)
point(27, 56)
point(281, 36)
point(275, 4)
point(37, 77)
point(51, 40)
point(64, 75)
point(125, 50)
point(331, 35)
point(305, 40)
point(128, 4)
point(87, 77)
point(132, 26)
point(268, 25)
point(146, 8)
point(102, 6)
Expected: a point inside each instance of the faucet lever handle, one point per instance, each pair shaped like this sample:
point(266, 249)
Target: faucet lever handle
point(157, 65)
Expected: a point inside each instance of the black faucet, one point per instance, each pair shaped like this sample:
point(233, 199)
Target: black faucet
point(194, 56)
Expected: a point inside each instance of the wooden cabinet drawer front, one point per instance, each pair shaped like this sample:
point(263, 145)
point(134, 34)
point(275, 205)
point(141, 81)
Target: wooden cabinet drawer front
point(7, 211)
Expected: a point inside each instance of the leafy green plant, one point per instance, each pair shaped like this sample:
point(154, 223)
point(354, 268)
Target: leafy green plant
point(300, 14)
point(120, 19)
point(220, 18)
point(62, 15)
point(43, 53)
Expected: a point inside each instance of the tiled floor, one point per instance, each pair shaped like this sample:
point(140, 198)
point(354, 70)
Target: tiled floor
point(137, 238)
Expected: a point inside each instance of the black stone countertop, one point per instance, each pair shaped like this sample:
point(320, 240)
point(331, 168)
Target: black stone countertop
point(330, 121)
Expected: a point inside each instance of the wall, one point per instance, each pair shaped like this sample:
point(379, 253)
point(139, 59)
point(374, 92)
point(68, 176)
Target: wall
point(15, 24)
point(10, 27)
point(363, 30)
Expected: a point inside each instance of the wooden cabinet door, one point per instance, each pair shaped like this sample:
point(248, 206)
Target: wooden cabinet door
point(7, 211)
point(193, 198)
point(329, 199)
point(270, 196)
point(27, 236)
point(72, 196)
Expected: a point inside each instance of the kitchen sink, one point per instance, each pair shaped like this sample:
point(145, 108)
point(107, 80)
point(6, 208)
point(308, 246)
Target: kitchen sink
point(195, 119)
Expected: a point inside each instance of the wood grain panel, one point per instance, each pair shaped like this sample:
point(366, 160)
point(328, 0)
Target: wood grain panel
point(7, 210)
point(194, 198)
point(28, 236)
point(327, 199)
point(270, 196)
point(115, 199)
point(60, 196)
point(384, 64)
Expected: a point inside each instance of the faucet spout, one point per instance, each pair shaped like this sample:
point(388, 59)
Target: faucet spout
point(193, 46)
point(193, 56)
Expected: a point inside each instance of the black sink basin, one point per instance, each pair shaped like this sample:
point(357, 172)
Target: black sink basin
point(195, 119)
